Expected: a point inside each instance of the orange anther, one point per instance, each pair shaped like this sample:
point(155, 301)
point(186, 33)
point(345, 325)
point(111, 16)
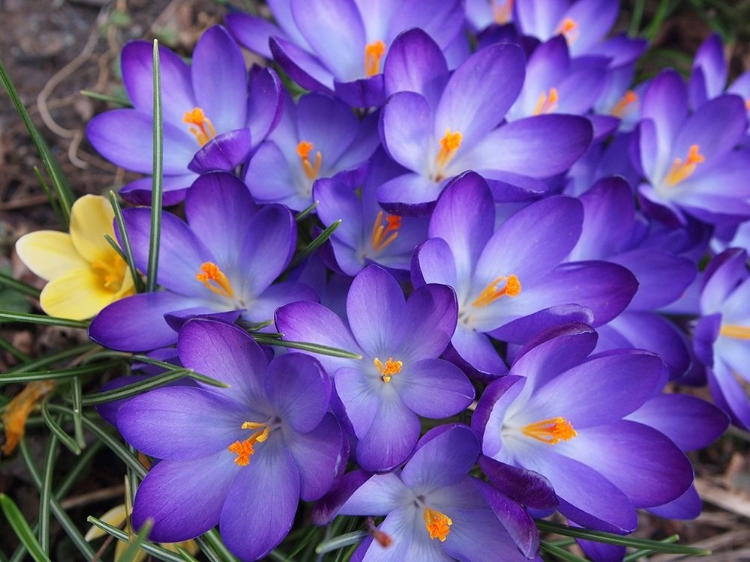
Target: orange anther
point(382, 236)
point(449, 145)
point(624, 104)
point(215, 280)
point(245, 449)
point(373, 53)
point(546, 103)
point(569, 29)
point(682, 170)
point(502, 10)
point(203, 129)
point(551, 431)
point(491, 292)
point(304, 148)
point(390, 368)
point(438, 524)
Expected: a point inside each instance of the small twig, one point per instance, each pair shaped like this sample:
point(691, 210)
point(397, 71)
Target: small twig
point(93, 497)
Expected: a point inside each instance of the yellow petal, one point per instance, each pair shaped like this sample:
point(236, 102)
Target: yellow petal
point(90, 218)
point(114, 517)
point(49, 254)
point(76, 295)
point(122, 547)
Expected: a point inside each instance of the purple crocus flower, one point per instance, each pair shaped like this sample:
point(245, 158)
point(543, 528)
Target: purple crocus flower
point(689, 161)
point(319, 137)
point(224, 260)
point(212, 117)
point(343, 55)
point(433, 509)
point(262, 444)
point(722, 335)
point(399, 377)
point(510, 282)
point(437, 133)
point(561, 414)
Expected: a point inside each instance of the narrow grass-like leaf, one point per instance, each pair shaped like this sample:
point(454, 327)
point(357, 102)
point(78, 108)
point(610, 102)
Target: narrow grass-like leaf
point(633, 556)
point(610, 538)
point(76, 393)
point(127, 248)
point(560, 552)
point(45, 493)
point(53, 202)
point(13, 350)
point(319, 240)
point(311, 347)
point(184, 554)
point(309, 536)
point(134, 389)
point(341, 541)
point(213, 538)
point(304, 213)
point(22, 529)
point(156, 186)
point(109, 441)
point(122, 102)
point(635, 18)
point(64, 194)
point(20, 286)
point(58, 431)
point(41, 319)
point(116, 247)
point(58, 374)
point(132, 551)
point(278, 556)
point(666, 7)
point(154, 550)
point(53, 358)
point(207, 550)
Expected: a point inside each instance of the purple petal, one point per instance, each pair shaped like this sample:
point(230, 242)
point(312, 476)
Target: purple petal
point(265, 104)
point(718, 125)
point(434, 388)
point(301, 66)
point(391, 438)
point(688, 506)
point(651, 267)
point(431, 311)
point(317, 455)
point(299, 390)
point(406, 129)
point(410, 195)
point(358, 397)
point(441, 460)
point(514, 518)
point(376, 495)
point(268, 246)
point(252, 32)
point(328, 124)
point(224, 152)
point(433, 262)
point(139, 191)
point(264, 305)
point(364, 92)
point(476, 349)
point(523, 486)
point(415, 63)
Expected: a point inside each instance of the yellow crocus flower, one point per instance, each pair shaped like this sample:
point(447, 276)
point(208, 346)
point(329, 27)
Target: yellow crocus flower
point(85, 273)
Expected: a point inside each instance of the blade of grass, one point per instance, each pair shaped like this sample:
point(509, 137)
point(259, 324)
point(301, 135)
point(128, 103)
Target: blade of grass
point(304, 213)
point(666, 7)
point(151, 548)
point(58, 431)
point(635, 18)
point(212, 537)
point(134, 389)
point(341, 541)
point(135, 546)
point(58, 374)
point(311, 347)
point(64, 194)
point(122, 102)
point(41, 319)
point(22, 529)
point(207, 550)
point(320, 239)
point(186, 556)
point(45, 493)
point(129, 259)
point(111, 241)
point(20, 286)
point(610, 538)
point(560, 553)
point(14, 351)
point(633, 556)
point(50, 196)
point(156, 193)
point(76, 393)
point(54, 358)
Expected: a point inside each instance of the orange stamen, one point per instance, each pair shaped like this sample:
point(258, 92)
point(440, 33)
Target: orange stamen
point(682, 170)
point(373, 53)
point(491, 293)
point(747, 104)
point(203, 130)
point(546, 103)
point(382, 236)
point(438, 524)
point(449, 145)
point(502, 11)
point(569, 29)
point(390, 368)
point(215, 280)
point(624, 105)
point(551, 431)
point(304, 149)
point(111, 272)
point(245, 449)
point(735, 331)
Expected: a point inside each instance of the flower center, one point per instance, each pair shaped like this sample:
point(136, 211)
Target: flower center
point(569, 29)
point(502, 10)
point(202, 129)
point(625, 104)
point(550, 431)
point(680, 170)
point(438, 524)
point(373, 53)
point(546, 103)
point(384, 234)
point(111, 271)
point(304, 148)
point(449, 145)
point(245, 449)
point(388, 369)
point(735, 331)
point(493, 291)
point(215, 280)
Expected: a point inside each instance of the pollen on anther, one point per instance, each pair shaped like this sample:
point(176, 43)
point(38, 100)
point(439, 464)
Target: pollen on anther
point(388, 369)
point(551, 431)
point(681, 170)
point(304, 149)
point(437, 524)
point(569, 29)
point(203, 130)
point(449, 145)
point(373, 53)
point(383, 235)
point(214, 280)
point(624, 105)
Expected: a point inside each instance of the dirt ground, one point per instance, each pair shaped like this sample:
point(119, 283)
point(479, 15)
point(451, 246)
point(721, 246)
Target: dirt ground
point(52, 49)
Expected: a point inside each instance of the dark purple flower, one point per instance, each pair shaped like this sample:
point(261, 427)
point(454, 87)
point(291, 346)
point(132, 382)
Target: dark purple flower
point(224, 260)
point(399, 376)
point(261, 444)
point(212, 117)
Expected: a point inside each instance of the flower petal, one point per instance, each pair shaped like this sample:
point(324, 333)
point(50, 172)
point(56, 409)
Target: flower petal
point(49, 254)
point(434, 388)
point(318, 457)
point(77, 294)
point(90, 219)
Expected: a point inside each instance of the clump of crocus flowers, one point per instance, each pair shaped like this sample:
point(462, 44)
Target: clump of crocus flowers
point(441, 288)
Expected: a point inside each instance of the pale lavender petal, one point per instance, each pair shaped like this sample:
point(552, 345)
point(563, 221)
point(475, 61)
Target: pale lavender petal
point(391, 438)
point(415, 63)
point(442, 459)
point(431, 311)
point(359, 397)
point(406, 130)
point(252, 32)
point(434, 388)
point(378, 495)
point(317, 455)
point(517, 522)
point(301, 66)
point(299, 391)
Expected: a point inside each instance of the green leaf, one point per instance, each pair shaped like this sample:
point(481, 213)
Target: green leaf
point(115, 246)
point(308, 250)
point(341, 541)
point(58, 431)
point(122, 102)
point(53, 358)
point(156, 193)
point(128, 250)
point(633, 556)
point(135, 546)
point(560, 552)
point(14, 351)
point(213, 538)
point(184, 554)
point(64, 194)
point(41, 319)
point(45, 493)
point(151, 548)
point(304, 213)
point(304, 346)
point(76, 392)
point(134, 389)
point(58, 374)
point(22, 529)
point(7, 280)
